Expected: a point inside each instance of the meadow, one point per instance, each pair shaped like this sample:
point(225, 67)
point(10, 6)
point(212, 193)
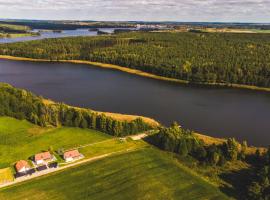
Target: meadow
point(13, 31)
point(21, 139)
point(144, 174)
point(6, 175)
point(14, 27)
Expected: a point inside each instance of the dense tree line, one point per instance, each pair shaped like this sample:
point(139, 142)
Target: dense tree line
point(58, 25)
point(259, 188)
point(21, 104)
point(185, 143)
point(195, 57)
point(11, 30)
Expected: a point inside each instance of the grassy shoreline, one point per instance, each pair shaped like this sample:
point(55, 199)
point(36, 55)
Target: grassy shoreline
point(208, 140)
point(116, 116)
point(138, 72)
point(16, 35)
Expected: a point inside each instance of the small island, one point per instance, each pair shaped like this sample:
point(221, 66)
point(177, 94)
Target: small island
point(102, 32)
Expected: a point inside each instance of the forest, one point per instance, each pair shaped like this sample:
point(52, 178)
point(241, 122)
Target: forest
point(64, 25)
point(185, 144)
point(227, 58)
point(22, 104)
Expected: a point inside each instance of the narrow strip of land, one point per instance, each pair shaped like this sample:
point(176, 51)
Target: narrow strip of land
point(138, 72)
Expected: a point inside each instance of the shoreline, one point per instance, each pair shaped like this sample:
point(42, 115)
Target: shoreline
point(116, 116)
point(140, 73)
point(208, 140)
point(16, 35)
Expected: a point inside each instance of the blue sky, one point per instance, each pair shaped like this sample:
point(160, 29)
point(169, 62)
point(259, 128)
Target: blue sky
point(147, 10)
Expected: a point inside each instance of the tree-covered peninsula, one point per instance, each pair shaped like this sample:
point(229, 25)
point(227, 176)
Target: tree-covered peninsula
point(226, 58)
point(22, 104)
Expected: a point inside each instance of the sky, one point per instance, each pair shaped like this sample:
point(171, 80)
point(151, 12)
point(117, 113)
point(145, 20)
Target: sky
point(139, 10)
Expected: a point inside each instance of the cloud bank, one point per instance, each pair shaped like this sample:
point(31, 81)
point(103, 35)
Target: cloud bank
point(149, 10)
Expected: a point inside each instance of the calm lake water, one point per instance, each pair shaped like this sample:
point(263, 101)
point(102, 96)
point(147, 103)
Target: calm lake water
point(242, 114)
point(50, 34)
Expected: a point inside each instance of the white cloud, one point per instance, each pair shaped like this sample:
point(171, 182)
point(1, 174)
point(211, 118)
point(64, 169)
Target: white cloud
point(178, 10)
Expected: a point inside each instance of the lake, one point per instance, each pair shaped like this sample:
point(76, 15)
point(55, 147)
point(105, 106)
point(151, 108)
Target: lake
point(242, 114)
point(51, 34)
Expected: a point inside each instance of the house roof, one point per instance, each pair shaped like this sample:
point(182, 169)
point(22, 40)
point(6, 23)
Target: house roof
point(43, 156)
point(21, 164)
point(72, 154)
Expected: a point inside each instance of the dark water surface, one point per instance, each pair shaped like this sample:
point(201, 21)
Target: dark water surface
point(242, 114)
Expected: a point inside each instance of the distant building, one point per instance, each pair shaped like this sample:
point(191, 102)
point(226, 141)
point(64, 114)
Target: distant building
point(22, 166)
point(151, 26)
point(72, 155)
point(43, 158)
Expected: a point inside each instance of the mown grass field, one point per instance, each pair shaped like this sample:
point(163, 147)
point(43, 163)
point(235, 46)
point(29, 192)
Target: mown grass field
point(6, 175)
point(21, 139)
point(109, 146)
point(144, 174)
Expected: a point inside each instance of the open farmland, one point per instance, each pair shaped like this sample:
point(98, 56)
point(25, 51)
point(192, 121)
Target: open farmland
point(21, 139)
point(143, 174)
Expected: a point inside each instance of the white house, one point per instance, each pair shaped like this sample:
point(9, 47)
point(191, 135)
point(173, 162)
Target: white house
point(72, 155)
point(43, 158)
point(22, 166)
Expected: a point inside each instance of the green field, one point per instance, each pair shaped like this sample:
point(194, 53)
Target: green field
point(136, 175)
point(6, 175)
point(16, 35)
point(14, 31)
point(20, 139)
point(14, 27)
point(143, 174)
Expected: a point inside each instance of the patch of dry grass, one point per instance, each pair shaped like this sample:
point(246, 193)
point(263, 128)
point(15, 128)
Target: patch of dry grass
point(124, 117)
point(208, 140)
point(116, 116)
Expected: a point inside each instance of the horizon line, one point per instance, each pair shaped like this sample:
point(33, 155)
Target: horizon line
point(147, 21)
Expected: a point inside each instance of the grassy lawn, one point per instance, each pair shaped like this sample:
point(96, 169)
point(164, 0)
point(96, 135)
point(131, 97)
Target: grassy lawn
point(10, 34)
point(16, 35)
point(259, 31)
point(6, 175)
point(144, 174)
point(111, 146)
point(20, 139)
